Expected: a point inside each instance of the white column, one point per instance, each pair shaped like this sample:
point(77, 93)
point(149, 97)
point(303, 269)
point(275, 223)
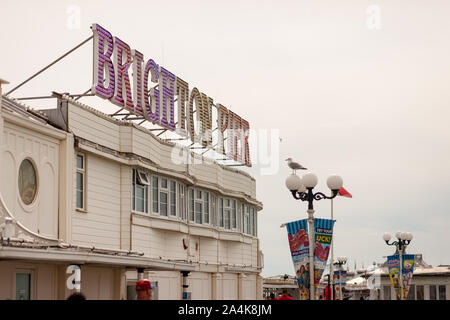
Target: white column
point(2, 82)
point(332, 259)
point(400, 275)
point(311, 254)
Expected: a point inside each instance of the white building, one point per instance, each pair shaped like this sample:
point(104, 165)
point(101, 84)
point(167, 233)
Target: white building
point(427, 283)
point(82, 188)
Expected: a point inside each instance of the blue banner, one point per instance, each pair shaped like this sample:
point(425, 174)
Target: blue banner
point(323, 233)
point(299, 246)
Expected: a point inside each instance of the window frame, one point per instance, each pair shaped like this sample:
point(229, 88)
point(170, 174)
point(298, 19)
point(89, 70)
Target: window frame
point(136, 183)
point(191, 205)
point(430, 287)
point(155, 199)
point(83, 172)
point(443, 293)
point(163, 190)
point(181, 201)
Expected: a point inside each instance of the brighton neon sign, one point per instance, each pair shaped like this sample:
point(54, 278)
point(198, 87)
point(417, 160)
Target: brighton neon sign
point(155, 91)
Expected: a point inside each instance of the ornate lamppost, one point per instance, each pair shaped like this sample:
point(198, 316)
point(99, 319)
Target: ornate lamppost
point(302, 189)
point(339, 263)
point(403, 240)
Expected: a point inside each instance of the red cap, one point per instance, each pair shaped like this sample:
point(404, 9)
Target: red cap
point(143, 285)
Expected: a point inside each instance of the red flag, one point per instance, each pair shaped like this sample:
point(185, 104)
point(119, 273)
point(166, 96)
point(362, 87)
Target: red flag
point(344, 193)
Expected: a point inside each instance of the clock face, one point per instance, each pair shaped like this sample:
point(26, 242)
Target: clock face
point(27, 182)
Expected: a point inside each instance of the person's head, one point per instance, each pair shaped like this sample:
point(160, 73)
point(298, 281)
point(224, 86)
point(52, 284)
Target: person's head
point(272, 296)
point(284, 292)
point(302, 269)
point(307, 267)
point(143, 289)
point(76, 296)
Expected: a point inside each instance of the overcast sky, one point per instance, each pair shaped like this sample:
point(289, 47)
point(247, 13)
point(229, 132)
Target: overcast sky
point(351, 92)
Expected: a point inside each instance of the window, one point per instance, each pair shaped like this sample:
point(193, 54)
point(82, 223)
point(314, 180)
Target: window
point(173, 198)
point(255, 228)
point(227, 214)
point(412, 293)
point(155, 194)
point(191, 205)
point(163, 197)
point(221, 212)
point(198, 206)
point(213, 210)
point(442, 293)
point(140, 191)
point(239, 217)
point(387, 293)
point(181, 201)
point(234, 215)
point(206, 207)
point(142, 178)
point(80, 182)
point(432, 292)
point(252, 221)
point(246, 219)
point(23, 285)
point(419, 292)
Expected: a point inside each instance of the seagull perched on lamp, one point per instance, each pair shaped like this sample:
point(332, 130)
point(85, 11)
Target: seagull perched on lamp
point(295, 165)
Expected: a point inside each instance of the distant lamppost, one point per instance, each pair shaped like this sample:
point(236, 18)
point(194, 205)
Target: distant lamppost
point(339, 263)
point(328, 294)
point(302, 189)
point(403, 240)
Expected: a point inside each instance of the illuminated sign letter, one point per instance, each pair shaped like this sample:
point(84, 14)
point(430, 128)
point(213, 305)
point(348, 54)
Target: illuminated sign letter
point(245, 146)
point(138, 59)
point(122, 95)
point(231, 135)
point(222, 125)
point(237, 138)
point(151, 97)
point(197, 98)
point(167, 91)
point(103, 65)
point(205, 116)
point(182, 92)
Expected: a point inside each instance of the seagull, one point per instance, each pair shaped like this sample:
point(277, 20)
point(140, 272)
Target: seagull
point(295, 165)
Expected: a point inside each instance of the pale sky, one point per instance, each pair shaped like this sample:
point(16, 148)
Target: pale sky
point(369, 104)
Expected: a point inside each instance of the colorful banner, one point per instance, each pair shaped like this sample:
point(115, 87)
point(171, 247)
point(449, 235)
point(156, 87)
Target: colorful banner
point(299, 245)
point(343, 278)
point(407, 272)
point(393, 263)
point(323, 232)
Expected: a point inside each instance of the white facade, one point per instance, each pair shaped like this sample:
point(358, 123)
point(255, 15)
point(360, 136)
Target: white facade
point(110, 198)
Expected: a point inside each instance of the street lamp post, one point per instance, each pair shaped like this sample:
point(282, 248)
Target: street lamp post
point(339, 263)
point(302, 189)
point(403, 240)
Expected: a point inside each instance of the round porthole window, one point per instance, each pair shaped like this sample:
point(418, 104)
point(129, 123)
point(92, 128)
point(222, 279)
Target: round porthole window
point(27, 182)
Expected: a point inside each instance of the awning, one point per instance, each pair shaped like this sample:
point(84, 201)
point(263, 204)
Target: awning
point(54, 255)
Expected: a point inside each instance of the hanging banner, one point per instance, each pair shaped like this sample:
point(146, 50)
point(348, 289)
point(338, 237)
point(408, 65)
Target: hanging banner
point(393, 264)
point(340, 280)
point(323, 233)
point(407, 272)
point(299, 246)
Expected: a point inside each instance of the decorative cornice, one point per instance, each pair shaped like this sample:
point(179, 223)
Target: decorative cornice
point(147, 131)
point(151, 165)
